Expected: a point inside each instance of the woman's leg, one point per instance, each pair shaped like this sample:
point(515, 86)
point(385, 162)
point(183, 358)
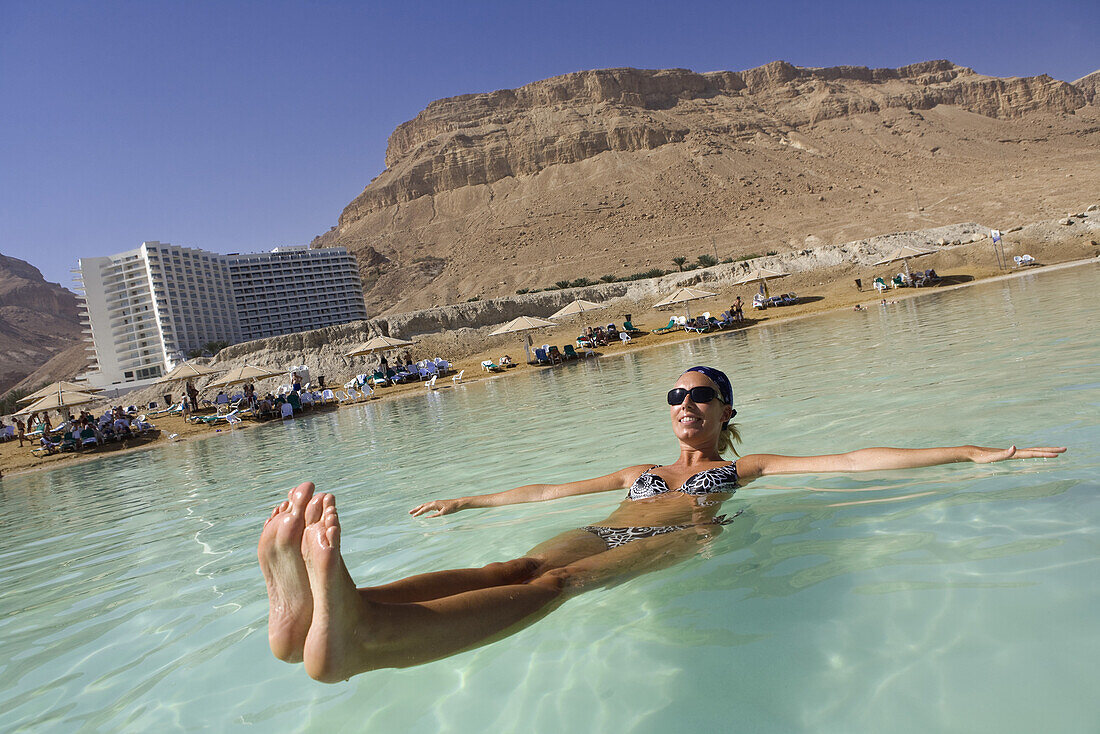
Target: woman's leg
point(560, 550)
point(350, 634)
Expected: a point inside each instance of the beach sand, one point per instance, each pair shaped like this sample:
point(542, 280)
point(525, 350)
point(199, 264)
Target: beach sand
point(821, 291)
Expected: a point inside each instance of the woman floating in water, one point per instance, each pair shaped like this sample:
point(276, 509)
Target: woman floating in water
point(317, 615)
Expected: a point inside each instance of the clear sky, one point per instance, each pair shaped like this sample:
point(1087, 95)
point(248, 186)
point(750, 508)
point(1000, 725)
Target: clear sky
point(241, 126)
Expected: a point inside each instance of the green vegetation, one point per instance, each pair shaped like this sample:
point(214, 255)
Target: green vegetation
point(562, 284)
point(8, 402)
point(472, 299)
point(581, 282)
point(608, 278)
point(773, 252)
point(751, 256)
point(679, 262)
point(521, 291)
point(706, 261)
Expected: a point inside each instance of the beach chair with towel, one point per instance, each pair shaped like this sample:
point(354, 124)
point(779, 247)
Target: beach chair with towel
point(489, 366)
point(1022, 261)
point(671, 326)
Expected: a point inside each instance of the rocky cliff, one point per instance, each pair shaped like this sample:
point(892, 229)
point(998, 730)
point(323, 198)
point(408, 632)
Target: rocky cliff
point(38, 320)
point(603, 172)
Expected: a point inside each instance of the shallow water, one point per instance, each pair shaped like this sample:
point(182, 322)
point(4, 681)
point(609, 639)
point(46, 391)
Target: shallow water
point(958, 598)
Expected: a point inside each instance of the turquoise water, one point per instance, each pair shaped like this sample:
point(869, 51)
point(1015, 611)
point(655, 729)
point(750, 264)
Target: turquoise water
point(958, 598)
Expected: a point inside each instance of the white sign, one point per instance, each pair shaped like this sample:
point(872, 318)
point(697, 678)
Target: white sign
point(996, 234)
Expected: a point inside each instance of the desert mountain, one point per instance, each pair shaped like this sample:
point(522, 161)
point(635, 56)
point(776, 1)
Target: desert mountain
point(38, 320)
point(614, 171)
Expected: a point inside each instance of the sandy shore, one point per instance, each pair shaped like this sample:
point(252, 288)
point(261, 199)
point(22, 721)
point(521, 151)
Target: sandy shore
point(15, 460)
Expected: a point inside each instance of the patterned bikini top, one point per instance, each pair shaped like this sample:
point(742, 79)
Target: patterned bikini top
point(708, 481)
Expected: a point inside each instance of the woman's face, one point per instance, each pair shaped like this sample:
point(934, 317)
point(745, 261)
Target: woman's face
point(698, 424)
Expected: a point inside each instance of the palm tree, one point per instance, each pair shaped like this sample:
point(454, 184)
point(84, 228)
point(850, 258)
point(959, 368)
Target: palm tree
point(679, 262)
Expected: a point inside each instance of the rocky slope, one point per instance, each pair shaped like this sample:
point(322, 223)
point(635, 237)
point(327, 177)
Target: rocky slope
point(613, 171)
point(38, 320)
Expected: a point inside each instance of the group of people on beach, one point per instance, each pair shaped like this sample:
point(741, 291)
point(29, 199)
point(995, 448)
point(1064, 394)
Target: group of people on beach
point(317, 614)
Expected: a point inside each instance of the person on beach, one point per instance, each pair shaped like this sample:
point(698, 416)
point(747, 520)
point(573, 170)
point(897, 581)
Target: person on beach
point(318, 616)
point(20, 431)
point(737, 309)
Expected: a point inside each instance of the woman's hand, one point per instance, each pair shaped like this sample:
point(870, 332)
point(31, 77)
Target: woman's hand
point(983, 455)
point(440, 507)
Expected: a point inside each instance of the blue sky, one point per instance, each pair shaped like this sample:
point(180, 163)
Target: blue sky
point(240, 126)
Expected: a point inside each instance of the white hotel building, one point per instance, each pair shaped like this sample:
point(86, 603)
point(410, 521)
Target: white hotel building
point(146, 308)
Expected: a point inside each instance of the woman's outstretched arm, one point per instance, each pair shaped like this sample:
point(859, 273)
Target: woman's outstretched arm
point(883, 458)
point(532, 493)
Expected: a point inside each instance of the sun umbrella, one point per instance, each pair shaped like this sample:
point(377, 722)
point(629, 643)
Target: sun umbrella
point(378, 344)
point(52, 389)
point(760, 274)
point(576, 307)
point(188, 371)
point(58, 400)
point(523, 323)
point(684, 295)
point(903, 254)
point(248, 373)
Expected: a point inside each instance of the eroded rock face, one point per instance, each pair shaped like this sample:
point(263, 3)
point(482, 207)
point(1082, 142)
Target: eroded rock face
point(37, 320)
point(482, 138)
point(610, 172)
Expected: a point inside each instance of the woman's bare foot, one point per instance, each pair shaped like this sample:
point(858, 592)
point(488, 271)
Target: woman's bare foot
point(334, 644)
point(288, 593)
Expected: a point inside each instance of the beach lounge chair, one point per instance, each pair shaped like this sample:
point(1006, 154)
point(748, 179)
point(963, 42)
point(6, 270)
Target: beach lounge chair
point(624, 337)
point(442, 366)
point(488, 366)
point(1023, 260)
point(88, 438)
point(555, 355)
point(570, 352)
point(671, 326)
point(541, 357)
point(758, 301)
point(233, 419)
point(631, 328)
point(286, 410)
point(458, 378)
point(69, 442)
point(695, 325)
point(327, 396)
point(880, 284)
point(430, 384)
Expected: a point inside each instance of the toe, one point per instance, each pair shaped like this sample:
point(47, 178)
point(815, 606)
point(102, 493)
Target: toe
point(300, 496)
point(314, 508)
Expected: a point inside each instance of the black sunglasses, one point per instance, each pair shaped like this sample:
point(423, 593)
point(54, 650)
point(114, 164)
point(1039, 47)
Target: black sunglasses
point(699, 395)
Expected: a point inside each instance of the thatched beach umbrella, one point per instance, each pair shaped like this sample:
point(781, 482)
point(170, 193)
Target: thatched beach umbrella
point(58, 400)
point(188, 371)
point(523, 323)
point(903, 254)
point(378, 344)
point(54, 388)
point(684, 295)
point(248, 373)
point(578, 306)
point(761, 275)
